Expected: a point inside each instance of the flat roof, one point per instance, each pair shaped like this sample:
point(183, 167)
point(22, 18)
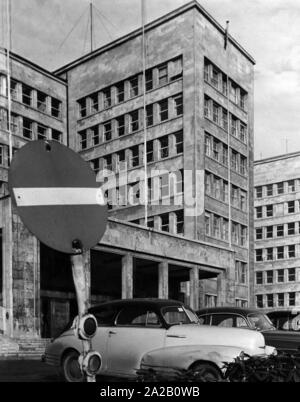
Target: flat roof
point(277, 158)
point(148, 27)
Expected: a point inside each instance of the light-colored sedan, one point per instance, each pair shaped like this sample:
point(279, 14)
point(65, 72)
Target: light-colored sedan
point(153, 333)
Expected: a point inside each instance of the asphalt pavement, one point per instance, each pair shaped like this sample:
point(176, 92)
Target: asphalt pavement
point(27, 371)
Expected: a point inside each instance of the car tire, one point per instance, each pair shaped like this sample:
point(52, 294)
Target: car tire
point(205, 372)
point(70, 368)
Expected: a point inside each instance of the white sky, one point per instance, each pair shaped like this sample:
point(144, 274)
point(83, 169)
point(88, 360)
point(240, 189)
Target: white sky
point(268, 29)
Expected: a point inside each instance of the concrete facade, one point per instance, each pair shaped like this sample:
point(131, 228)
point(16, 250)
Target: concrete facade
point(277, 229)
point(199, 104)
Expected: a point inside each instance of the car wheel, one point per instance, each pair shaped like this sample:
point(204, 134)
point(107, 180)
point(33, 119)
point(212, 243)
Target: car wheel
point(70, 367)
point(205, 372)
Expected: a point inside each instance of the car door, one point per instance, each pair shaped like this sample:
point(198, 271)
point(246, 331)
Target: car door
point(137, 330)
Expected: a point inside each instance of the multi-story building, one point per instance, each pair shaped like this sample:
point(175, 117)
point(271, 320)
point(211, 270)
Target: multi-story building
point(191, 126)
point(277, 232)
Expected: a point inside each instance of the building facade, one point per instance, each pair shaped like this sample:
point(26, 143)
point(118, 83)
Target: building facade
point(192, 128)
point(277, 229)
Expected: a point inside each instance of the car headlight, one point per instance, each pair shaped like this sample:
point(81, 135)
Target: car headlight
point(90, 363)
point(86, 327)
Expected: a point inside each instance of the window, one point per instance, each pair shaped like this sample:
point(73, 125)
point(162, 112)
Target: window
point(258, 191)
point(258, 212)
point(214, 77)
point(243, 200)
point(163, 75)
point(134, 87)
point(41, 101)
point(292, 275)
point(83, 139)
point(280, 253)
point(55, 108)
point(280, 275)
point(134, 121)
point(241, 272)
point(179, 181)
point(234, 161)
point(94, 102)
point(82, 107)
point(149, 80)
point(41, 132)
point(106, 98)
point(280, 299)
point(163, 110)
point(216, 226)
point(3, 85)
point(95, 165)
point(292, 299)
point(1, 155)
point(179, 222)
point(150, 155)
point(164, 186)
point(234, 196)
point(225, 191)
point(291, 186)
point(291, 251)
point(179, 142)
point(164, 147)
point(270, 300)
point(269, 210)
point(215, 112)
point(258, 233)
point(210, 300)
point(224, 121)
point(225, 155)
point(108, 162)
point(120, 160)
point(259, 301)
point(243, 235)
point(207, 225)
point(269, 276)
point(120, 92)
point(137, 317)
point(121, 125)
point(235, 233)
point(269, 232)
point(150, 222)
point(243, 165)
point(233, 92)
point(149, 115)
point(269, 190)
point(56, 135)
point(259, 278)
point(175, 70)
point(216, 145)
point(14, 89)
point(135, 160)
point(259, 255)
point(225, 226)
point(164, 222)
point(178, 105)
point(95, 135)
point(27, 128)
point(26, 95)
point(291, 228)
point(107, 131)
point(270, 254)
point(207, 109)
point(243, 97)
point(234, 122)
point(207, 144)
point(243, 132)
point(280, 231)
point(291, 207)
point(280, 188)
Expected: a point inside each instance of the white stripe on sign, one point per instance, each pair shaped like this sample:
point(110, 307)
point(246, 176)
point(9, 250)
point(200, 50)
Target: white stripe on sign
point(29, 197)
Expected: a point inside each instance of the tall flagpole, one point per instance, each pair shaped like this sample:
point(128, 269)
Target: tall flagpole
point(228, 136)
point(91, 26)
point(8, 49)
point(144, 110)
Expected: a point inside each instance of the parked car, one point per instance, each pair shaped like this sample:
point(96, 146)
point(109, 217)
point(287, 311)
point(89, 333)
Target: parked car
point(163, 333)
point(238, 317)
point(286, 320)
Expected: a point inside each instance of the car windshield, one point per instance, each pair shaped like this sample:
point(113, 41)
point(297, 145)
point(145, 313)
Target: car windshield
point(260, 321)
point(177, 315)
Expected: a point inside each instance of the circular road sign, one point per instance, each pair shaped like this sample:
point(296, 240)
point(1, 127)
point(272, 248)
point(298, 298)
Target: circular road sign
point(57, 197)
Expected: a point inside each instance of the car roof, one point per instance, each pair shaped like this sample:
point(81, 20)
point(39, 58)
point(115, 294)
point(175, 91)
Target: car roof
point(237, 310)
point(279, 313)
point(149, 302)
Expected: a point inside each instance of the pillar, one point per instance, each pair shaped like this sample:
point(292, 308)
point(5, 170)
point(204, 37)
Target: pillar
point(163, 280)
point(194, 288)
point(127, 276)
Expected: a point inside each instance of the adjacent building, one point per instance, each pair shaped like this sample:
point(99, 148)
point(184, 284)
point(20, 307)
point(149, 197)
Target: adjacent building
point(277, 232)
point(189, 121)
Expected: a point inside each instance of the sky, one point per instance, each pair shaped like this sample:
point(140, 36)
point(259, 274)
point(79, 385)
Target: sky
point(42, 31)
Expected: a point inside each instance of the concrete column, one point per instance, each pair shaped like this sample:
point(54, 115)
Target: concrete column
point(172, 145)
point(156, 150)
point(172, 222)
point(163, 280)
point(34, 98)
point(194, 288)
point(87, 271)
point(221, 286)
point(127, 276)
point(157, 222)
point(141, 154)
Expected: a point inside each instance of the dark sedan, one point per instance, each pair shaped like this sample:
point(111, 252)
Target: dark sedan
point(287, 320)
point(237, 317)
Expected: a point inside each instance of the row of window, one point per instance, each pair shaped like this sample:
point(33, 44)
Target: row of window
point(28, 128)
point(217, 188)
point(280, 209)
point(131, 122)
point(214, 76)
point(218, 151)
point(219, 115)
point(277, 276)
point(130, 88)
point(161, 187)
point(218, 227)
point(276, 300)
point(156, 150)
point(31, 97)
point(275, 253)
point(211, 300)
point(282, 187)
point(172, 222)
point(270, 232)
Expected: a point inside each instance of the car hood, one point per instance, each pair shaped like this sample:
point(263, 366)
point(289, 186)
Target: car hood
point(291, 335)
point(209, 335)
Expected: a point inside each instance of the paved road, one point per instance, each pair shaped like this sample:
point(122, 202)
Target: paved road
point(27, 371)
